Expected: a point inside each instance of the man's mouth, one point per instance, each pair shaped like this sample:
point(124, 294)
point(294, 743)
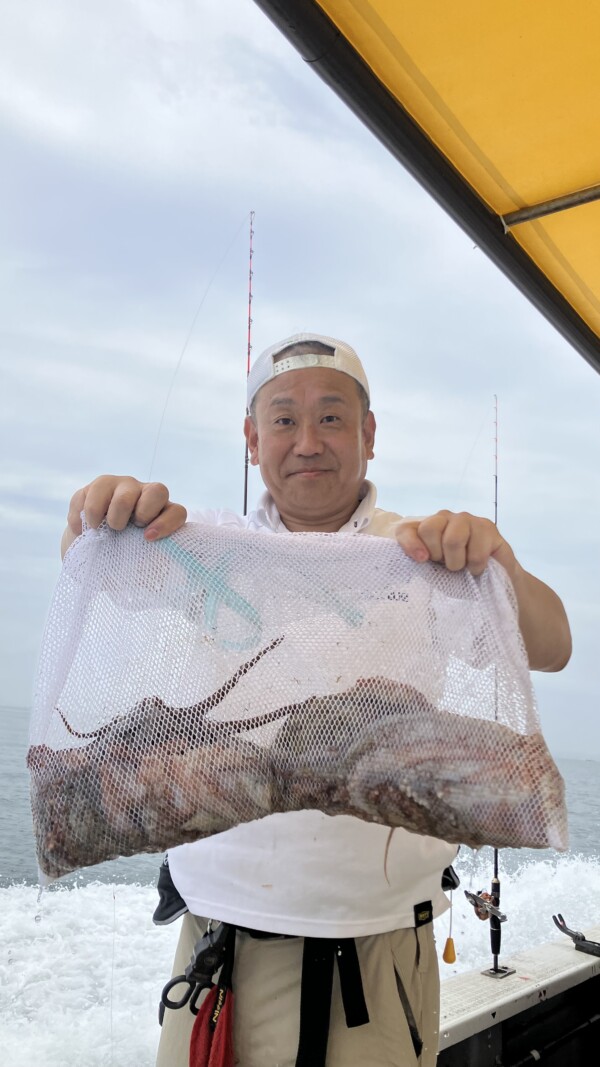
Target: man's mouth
point(308, 472)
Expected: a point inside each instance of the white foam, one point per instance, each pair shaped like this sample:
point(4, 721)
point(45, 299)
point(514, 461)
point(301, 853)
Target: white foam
point(81, 972)
point(82, 984)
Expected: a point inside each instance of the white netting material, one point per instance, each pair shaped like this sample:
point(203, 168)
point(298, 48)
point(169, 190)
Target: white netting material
point(221, 675)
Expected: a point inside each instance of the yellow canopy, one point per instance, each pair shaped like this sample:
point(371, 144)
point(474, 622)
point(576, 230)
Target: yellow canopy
point(495, 109)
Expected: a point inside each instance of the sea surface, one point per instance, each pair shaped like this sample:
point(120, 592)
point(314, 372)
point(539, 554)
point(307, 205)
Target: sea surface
point(82, 965)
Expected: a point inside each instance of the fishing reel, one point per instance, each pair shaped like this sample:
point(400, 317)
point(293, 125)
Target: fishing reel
point(487, 906)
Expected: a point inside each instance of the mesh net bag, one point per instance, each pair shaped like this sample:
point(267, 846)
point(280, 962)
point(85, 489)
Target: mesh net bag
point(221, 675)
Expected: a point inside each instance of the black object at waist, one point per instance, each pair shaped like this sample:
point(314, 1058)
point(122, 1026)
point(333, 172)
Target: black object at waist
point(264, 935)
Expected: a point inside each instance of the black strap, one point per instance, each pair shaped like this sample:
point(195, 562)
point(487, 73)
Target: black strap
point(315, 995)
point(315, 1001)
point(224, 982)
point(263, 935)
point(353, 997)
point(410, 1016)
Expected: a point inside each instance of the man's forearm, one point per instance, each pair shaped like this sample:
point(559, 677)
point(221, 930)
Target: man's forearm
point(66, 541)
point(543, 622)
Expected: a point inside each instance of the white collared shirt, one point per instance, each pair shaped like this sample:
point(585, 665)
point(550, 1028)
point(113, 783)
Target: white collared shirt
point(304, 872)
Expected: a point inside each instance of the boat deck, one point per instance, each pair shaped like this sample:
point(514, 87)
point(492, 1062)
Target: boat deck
point(551, 1004)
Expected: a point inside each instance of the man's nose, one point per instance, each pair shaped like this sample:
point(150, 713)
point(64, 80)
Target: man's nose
point(308, 440)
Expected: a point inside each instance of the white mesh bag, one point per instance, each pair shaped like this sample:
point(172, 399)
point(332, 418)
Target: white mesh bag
point(221, 675)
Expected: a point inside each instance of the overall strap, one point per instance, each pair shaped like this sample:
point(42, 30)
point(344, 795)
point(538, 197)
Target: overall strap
point(315, 995)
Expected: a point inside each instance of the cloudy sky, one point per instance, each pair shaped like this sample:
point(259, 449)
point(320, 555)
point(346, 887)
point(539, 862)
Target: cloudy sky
point(135, 137)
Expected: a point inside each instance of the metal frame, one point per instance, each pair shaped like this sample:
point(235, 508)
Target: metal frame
point(550, 207)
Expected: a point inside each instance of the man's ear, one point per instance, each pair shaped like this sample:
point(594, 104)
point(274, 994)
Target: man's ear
point(251, 435)
point(369, 427)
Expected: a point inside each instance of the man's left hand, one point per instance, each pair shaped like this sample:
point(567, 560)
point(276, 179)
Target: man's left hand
point(456, 540)
point(461, 541)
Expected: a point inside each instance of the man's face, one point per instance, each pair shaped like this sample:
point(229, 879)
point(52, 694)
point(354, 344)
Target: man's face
point(312, 444)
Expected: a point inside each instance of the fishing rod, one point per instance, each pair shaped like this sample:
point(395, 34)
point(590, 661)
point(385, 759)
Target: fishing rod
point(488, 905)
point(250, 274)
point(495, 921)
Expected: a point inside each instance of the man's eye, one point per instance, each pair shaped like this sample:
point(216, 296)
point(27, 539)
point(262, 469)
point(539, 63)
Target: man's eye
point(330, 418)
point(284, 420)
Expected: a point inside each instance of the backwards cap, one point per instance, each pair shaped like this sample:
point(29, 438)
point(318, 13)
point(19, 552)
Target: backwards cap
point(339, 357)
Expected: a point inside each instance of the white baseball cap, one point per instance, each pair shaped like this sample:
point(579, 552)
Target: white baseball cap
point(339, 357)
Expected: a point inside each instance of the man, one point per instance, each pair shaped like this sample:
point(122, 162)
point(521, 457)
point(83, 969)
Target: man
point(290, 878)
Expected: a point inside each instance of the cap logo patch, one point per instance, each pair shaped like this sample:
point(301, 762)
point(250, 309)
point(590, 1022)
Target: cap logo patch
point(307, 359)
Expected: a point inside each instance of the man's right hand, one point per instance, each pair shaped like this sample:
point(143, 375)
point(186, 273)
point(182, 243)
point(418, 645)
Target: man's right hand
point(120, 500)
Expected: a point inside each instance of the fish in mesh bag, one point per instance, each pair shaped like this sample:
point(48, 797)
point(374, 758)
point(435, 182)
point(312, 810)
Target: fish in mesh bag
point(222, 675)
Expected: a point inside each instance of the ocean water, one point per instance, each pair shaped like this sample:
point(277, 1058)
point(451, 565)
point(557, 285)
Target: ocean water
point(82, 965)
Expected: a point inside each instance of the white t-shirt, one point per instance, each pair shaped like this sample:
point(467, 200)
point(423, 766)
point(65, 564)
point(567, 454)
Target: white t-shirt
point(304, 872)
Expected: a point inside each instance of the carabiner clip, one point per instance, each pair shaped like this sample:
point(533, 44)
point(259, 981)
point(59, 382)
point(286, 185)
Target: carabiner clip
point(207, 958)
